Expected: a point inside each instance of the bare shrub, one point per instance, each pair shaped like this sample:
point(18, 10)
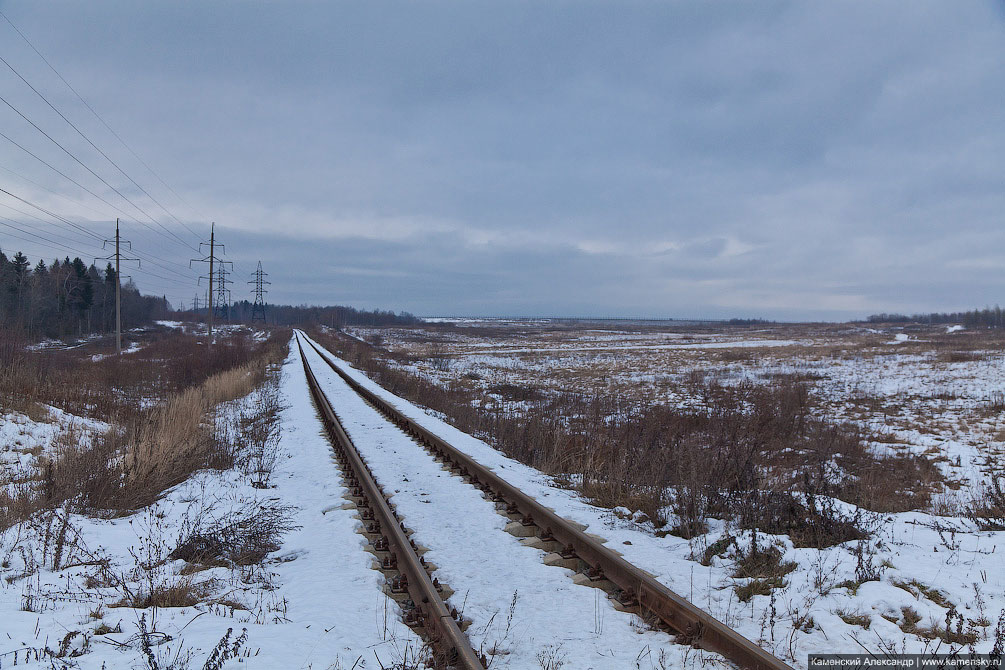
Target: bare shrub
point(987, 509)
point(152, 449)
point(241, 537)
point(162, 658)
point(808, 520)
point(516, 392)
point(758, 561)
point(961, 356)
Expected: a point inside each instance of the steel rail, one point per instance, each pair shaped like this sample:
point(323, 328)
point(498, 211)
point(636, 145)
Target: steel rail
point(637, 587)
point(445, 635)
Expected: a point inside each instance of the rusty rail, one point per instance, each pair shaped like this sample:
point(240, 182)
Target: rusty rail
point(450, 644)
point(636, 587)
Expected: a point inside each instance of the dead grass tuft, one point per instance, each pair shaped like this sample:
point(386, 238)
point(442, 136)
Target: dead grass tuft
point(182, 592)
point(987, 509)
point(761, 562)
point(758, 587)
point(855, 619)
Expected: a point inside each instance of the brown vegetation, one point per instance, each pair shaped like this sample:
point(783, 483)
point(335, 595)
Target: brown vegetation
point(754, 453)
point(162, 425)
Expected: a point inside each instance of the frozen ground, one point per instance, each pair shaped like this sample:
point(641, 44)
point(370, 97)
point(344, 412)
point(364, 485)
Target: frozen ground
point(317, 603)
point(921, 394)
point(937, 391)
point(520, 609)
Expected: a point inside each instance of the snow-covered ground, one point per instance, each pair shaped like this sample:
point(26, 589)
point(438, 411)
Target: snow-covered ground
point(317, 602)
point(519, 607)
point(925, 564)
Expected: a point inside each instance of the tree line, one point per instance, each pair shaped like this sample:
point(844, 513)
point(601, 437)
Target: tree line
point(989, 317)
point(68, 299)
point(335, 316)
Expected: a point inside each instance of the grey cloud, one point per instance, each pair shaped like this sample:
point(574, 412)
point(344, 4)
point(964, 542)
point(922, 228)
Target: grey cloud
point(779, 158)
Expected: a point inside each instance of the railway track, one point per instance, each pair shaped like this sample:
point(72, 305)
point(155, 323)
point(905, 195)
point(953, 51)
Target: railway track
point(629, 587)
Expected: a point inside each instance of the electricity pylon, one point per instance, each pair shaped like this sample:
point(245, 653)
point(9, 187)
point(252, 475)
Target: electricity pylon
point(258, 308)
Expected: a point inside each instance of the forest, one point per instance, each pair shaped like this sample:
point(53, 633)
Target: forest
point(68, 298)
point(335, 316)
point(989, 317)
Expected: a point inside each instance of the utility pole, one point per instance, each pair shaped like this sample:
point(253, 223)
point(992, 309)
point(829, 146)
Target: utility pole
point(212, 260)
point(258, 309)
point(118, 281)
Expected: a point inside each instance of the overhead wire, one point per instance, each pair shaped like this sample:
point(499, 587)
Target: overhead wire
point(100, 118)
point(34, 183)
point(32, 234)
point(146, 256)
point(55, 216)
point(37, 218)
point(94, 146)
point(79, 185)
point(34, 125)
point(67, 177)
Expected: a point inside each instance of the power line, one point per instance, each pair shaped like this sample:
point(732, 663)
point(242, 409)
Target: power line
point(71, 179)
point(37, 218)
point(88, 232)
point(60, 248)
point(49, 190)
point(63, 248)
point(96, 147)
point(100, 118)
point(55, 216)
point(28, 232)
point(81, 228)
point(99, 177)
point(60, 245)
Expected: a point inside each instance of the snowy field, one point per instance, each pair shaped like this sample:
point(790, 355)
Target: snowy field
point(317, 602)
point(933, 391)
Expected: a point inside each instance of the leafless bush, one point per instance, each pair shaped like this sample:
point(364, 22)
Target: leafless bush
point(987, 509)
point(517, 393)
point(241, 537)
point(961, 356)
point(551, 657)
point(756, 560)
point(152, 449)
point(181, 658)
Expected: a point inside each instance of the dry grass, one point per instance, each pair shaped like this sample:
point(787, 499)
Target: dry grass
point(738, 452)
point(758, 587)
point(179, 439)
point(182, 592)
point(762, 562)
point(855, 619)
point(151, 448)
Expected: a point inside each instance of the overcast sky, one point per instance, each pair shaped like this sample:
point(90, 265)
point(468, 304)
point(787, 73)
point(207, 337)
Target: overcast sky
point(791, 160)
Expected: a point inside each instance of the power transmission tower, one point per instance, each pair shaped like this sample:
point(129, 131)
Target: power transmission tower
point(195, 303)
point(222, 295)
point(212, 260)
point(118, 242)
point(258, 308)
